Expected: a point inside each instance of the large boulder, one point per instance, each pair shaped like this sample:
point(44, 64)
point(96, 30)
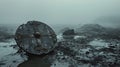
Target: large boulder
point(69, 34)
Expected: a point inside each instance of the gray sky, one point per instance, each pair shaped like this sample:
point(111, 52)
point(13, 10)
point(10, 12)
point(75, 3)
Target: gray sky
point(57, 11)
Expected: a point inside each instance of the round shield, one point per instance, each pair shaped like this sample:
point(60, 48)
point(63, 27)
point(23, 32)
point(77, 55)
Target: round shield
point(35, 37)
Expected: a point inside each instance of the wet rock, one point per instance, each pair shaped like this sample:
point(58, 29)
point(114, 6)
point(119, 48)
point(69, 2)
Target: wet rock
point(69, 34)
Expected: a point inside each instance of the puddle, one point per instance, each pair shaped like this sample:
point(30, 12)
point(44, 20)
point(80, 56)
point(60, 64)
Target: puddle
point(98, 43)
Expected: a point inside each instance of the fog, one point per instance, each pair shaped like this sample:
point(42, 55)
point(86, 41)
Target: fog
point(60, 11)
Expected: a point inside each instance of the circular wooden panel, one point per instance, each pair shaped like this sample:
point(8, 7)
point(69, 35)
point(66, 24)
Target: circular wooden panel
point(35, 37)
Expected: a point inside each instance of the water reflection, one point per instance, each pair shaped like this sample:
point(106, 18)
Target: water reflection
point(38, 61)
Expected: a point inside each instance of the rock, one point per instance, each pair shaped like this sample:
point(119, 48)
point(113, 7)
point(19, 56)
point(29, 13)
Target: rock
point(69, 34)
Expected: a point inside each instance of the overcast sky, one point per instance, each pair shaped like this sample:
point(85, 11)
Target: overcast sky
point(57, 11)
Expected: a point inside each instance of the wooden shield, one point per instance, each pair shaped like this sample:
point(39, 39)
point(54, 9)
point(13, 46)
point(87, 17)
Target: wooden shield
point(35, 37)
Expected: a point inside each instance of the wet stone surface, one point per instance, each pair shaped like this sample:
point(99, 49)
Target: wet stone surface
point(68, 53)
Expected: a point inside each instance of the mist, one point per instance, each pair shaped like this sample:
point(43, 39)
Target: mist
point(16, 12)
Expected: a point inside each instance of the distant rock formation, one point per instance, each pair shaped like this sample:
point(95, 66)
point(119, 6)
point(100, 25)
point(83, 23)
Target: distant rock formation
point(98, 31)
